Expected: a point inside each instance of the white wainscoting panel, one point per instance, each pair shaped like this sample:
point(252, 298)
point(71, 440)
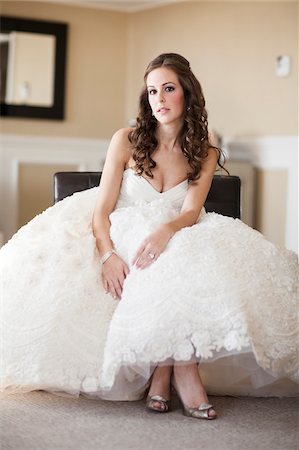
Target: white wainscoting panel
point(86, 154)
point(272, 153)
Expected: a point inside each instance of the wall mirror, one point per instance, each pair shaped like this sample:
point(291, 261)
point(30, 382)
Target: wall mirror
point(33, 60)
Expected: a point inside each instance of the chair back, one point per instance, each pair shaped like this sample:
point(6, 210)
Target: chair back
point(223, 197)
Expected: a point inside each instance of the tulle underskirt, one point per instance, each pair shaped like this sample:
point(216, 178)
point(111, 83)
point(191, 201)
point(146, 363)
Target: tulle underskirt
point(227, 374)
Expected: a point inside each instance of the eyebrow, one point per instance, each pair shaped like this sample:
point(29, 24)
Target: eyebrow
point(168, 82)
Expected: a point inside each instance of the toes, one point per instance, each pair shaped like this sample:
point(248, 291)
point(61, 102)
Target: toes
point(158, 405)
point(212, 413)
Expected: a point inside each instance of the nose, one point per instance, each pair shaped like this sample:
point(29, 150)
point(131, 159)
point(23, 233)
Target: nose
point(161, 97)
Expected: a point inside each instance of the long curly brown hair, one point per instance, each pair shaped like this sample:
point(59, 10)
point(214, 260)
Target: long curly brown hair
point(194, 139)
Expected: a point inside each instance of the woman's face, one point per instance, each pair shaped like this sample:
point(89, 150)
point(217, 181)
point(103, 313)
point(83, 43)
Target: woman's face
point(165, 95)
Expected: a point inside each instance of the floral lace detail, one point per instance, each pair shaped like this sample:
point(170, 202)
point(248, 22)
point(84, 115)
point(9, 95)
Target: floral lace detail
point(235, 291)
point(219, 288)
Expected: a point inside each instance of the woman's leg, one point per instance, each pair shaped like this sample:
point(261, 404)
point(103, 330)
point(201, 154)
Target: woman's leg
point(160, 384)
point(190, 387)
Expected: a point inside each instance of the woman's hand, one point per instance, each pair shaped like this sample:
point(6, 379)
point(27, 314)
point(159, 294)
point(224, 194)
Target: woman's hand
point(152, 247)
point(114, 273)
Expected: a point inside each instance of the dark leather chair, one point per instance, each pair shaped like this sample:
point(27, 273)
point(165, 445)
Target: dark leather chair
point(223, 198)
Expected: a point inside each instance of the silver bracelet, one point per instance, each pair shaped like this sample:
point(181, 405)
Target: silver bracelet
point(107, 255)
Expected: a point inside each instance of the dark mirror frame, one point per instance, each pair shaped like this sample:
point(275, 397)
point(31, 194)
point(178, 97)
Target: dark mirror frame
point(59, 30)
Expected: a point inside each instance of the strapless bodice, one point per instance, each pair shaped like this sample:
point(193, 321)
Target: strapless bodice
point(136, 189)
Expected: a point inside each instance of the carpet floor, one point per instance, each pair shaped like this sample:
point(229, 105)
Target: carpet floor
point(42, 421)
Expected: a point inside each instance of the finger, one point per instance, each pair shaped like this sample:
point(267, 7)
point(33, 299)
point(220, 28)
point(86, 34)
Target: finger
point(117, 284)
point(135, 259)
point(118, 290)
point(121, 280)
point(112, 290)
point(105, 284)
point(148, 256)
point(146, 262)
point(140, 261)
point(126, 271)
point(138, 254)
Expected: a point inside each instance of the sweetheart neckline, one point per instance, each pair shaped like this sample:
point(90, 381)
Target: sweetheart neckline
point(129, 169)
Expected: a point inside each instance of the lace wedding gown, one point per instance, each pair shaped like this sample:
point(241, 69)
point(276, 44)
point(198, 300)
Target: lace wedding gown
point(220, 294)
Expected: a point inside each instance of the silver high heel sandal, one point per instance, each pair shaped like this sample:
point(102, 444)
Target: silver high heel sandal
point(200, 412)
point(163, 404)
point(152, 400)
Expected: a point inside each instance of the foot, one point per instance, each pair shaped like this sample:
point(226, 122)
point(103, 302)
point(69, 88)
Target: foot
point(159, 393)
point(189, 387)
point(157, 403)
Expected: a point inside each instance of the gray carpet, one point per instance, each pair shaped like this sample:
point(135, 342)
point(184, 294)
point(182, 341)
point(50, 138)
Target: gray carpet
point(39, 420)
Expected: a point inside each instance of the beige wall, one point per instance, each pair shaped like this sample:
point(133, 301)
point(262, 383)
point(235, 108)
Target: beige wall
point(232, 48)
point(96, 67)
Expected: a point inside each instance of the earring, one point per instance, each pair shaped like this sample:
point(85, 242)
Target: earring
point(188, 109)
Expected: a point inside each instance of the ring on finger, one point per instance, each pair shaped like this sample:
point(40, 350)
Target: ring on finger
point(151, 255)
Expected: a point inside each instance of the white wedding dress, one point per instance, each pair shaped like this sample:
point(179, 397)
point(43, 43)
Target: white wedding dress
point(220, 294)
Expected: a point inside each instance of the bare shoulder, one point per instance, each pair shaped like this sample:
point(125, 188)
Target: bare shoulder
point(122, 135)
point(120, 147)
point(213, 153)
point(209, 163)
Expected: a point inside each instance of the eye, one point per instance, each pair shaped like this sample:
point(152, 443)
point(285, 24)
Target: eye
point(152, 91)
point(169, 88)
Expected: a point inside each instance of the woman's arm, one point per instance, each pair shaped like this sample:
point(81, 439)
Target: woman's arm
point(196, 196)
point(114, 269)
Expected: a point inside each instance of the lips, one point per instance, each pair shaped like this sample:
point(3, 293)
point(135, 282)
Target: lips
point(162, 110)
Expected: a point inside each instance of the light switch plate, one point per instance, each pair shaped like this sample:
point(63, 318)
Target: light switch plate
point(283, 65)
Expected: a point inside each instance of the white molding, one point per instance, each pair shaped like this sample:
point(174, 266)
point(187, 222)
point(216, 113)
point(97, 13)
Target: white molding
point(133, 6)
point(267, 152)
point(86, 154)
point(119, 5)
point(42, 139)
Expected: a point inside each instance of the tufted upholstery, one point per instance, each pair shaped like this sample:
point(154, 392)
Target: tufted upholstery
point(223, 198)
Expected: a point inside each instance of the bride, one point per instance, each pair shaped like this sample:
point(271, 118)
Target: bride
point(132, 285)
